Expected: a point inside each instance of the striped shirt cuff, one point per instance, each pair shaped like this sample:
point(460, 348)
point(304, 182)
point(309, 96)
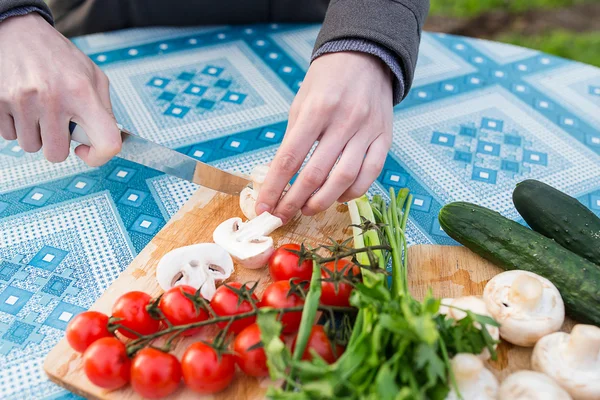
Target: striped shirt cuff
point(369, 47)
point(18, 11)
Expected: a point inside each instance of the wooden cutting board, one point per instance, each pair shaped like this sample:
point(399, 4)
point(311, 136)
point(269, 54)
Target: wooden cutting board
point(449, 271)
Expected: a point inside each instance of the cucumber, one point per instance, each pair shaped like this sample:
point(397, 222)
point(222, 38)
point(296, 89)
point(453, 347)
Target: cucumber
point(559, 216)
point(511, 245)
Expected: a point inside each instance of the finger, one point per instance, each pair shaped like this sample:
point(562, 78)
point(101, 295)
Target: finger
point(7, 127)
point(369, 170)
point(296, 144)
point(54, 130)
point(103, 90)
point(102, 131)
point(312, 176)
point(28, 132)
point(342, 177)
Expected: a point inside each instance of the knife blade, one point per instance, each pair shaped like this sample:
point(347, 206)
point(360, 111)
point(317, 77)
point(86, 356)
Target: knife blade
point(164, 159)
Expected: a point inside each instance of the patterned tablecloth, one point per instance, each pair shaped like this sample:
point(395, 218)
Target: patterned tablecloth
point(480, 117)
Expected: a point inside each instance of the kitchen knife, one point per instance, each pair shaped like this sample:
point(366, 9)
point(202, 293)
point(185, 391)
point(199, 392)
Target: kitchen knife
point(169, 161)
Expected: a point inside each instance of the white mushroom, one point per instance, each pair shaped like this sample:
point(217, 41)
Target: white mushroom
point(249, 195)
point(526, 305)
point(199, 266)
point(473, 380)
point(572, 360)
point(531, 385)
point(453, 309)
point(248, 243)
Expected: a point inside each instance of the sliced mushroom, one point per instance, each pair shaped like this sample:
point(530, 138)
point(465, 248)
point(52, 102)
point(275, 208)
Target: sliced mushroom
point(199, 266)
point(572, 360)
point(453, 309)
point(248, 243)
point(531, 385)
point(249, 195)
point(526, 305)
point(474, 381)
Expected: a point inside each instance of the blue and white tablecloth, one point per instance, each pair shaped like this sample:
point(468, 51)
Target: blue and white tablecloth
point(481, 116)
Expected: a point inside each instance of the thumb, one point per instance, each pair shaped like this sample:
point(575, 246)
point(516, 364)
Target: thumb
point(102, 131)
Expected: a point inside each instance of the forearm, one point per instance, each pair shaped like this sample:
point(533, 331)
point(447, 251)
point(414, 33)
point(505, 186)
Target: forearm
point(388, 29)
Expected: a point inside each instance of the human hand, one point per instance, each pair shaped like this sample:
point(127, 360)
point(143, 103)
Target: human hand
point(345, 102)
point(47, 82)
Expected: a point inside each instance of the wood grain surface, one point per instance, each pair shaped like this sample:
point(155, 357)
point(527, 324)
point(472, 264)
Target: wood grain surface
point(449, 271)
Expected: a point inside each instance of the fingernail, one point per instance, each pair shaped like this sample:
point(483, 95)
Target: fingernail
point(261, 208)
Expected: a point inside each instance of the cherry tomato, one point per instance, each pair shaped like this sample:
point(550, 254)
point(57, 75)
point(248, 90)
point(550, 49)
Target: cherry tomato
point(320, 343)
point(276, 296)
point(180, 310)
point(225, 302)
point(204, 371)
point(329, 295)
point(86, 328)
point(106, 364)
point(283, 265)
point(154, 373)
point(131, 309)
point(252, 362)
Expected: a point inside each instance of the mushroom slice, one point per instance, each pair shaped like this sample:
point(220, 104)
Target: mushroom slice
point(248, 243)
point(572, 360)
point(249, 195)
point(474, 381)
point(199, 266)
point(526, 305)
point(453, 309)
point(531, 385)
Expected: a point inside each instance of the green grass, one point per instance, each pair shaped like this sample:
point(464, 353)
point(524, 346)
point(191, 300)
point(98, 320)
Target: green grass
point(583, 47)
point(471, 8)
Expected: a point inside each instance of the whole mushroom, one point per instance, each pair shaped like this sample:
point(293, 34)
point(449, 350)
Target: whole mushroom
point(248, 243)
point(474, 381)
point(526, 305)
point(572, 360)
point(531, 385)
point(200, 266)
point(453, 309)
point(249, 195)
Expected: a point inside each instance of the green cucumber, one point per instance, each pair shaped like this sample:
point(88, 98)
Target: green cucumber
point(559, 216)
point(511, 245)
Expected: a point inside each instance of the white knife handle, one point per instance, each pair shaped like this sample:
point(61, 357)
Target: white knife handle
point(79, 135)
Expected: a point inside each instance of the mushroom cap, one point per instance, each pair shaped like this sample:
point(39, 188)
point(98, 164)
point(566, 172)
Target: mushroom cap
point(572, 360)
point(474, 381)
point(198, 266)
point(526, 305)
point(248, 198)
point(531, 385)
point(248, 242)
point(474, 304)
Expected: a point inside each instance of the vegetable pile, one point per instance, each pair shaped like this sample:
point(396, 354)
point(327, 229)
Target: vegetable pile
point(399, 347)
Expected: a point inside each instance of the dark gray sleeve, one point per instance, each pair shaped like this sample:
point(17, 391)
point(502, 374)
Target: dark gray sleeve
point(8, 5)
point(393, 24)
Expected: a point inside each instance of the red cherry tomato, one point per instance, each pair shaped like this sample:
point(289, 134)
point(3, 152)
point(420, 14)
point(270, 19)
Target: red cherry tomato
point(155, 374)
point(276, 296)
point(320, 343)
point(252, 362)
point(225, 303)
point(180, 309)
point(86, 328)
point(106, 364)
point(329, 295)
point(205, 372)
point(283, 265)
point(131, 310)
